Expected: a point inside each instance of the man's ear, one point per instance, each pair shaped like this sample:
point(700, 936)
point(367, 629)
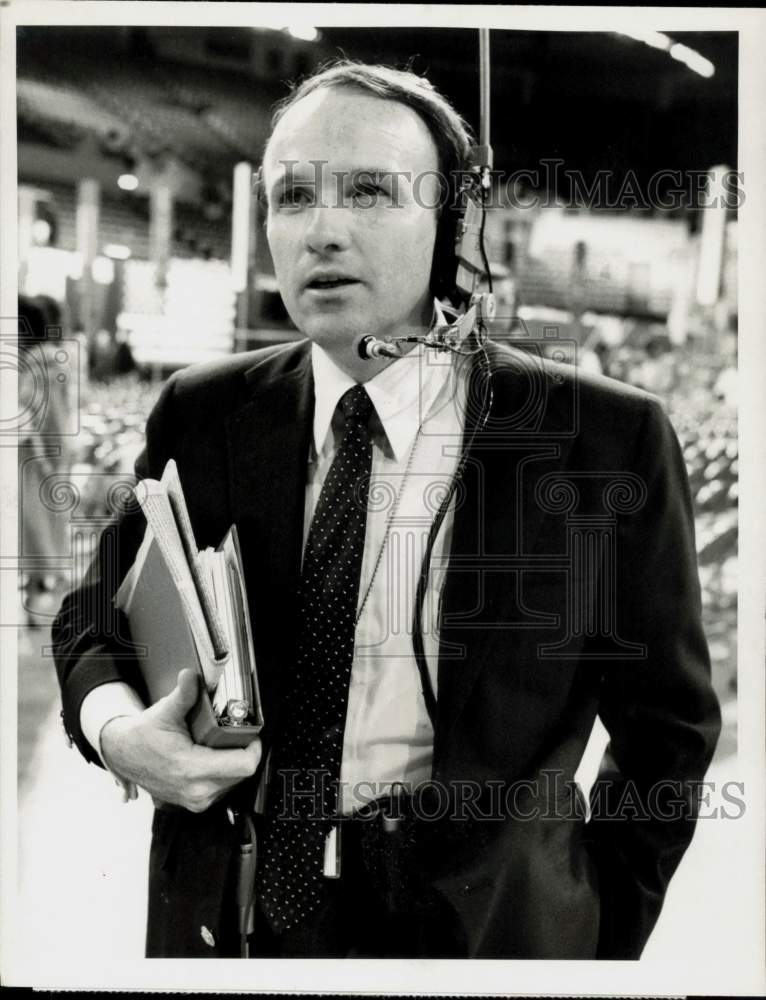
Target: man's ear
point(259, 187)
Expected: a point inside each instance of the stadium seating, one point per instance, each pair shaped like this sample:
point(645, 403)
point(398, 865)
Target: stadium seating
point(46, 100)
point(209, 122)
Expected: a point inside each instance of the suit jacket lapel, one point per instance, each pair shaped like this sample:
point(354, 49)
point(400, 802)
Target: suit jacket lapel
point(268, 441)
point(498, 524)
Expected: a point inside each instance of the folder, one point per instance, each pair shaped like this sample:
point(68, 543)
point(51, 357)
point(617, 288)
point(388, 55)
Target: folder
point(187, 608)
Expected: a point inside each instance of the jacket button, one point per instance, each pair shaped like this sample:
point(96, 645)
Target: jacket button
point(207, 936)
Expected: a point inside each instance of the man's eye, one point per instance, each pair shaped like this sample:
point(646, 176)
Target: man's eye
point(296, 198)
point(367, 192)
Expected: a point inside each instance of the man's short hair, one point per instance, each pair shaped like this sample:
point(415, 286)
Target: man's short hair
point(451, 135)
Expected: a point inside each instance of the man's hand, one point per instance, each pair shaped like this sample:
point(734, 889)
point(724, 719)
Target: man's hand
point(155, 751)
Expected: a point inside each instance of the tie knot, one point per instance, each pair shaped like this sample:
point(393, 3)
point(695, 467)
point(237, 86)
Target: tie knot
point(356, 405)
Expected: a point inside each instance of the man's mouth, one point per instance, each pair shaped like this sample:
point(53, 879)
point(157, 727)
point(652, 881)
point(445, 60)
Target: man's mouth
point(325, 284)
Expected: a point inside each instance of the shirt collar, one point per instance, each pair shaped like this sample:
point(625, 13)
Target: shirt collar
point(403, 394)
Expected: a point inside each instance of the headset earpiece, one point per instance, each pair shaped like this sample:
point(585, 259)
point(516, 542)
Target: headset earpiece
point(445, 261)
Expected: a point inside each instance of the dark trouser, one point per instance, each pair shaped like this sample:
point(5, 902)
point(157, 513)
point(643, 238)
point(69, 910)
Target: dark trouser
point(360, 919)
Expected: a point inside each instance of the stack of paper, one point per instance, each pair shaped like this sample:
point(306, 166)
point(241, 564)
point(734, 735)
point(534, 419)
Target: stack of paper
point(189, 608)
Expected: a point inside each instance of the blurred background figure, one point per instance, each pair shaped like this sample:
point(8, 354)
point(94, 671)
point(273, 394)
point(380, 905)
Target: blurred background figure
point(592, 355)
point(45, 450)
point(656, 372)
point(577, 289)
point(726, 384)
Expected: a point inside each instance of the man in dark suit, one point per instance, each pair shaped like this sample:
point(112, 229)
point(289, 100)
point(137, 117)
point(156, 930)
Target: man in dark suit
point(535, 528)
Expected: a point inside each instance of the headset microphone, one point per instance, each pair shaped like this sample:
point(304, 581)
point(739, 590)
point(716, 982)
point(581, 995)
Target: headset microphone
point(471, 254)
point(370, 348)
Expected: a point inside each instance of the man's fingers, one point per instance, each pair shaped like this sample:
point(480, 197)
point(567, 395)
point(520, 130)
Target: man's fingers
point(176, 706)
point(226, 764)
point(129, 791)
point(251, 757)
point(156, 753)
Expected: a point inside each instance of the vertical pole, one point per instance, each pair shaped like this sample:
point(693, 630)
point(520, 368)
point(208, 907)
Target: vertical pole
point(712, 238)
point(87, 225)
point(244, 208)
point(160, 226)
point(484, 118)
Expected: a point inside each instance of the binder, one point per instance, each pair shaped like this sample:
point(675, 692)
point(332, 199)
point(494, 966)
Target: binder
point(197, 615)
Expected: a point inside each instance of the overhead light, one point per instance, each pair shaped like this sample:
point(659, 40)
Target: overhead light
point(654, 38)
point(682, 53)
point(304, 32)
point(128, 182)
point(117, 251)
point(692, 59)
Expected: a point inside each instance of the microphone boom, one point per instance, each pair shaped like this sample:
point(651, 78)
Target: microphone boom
point(370, 348)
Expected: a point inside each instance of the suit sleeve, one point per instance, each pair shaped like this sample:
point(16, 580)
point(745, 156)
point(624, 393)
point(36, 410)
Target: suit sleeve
point(91, 644)
point(660, 710)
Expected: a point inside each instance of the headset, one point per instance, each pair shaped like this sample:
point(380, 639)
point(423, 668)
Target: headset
point(466, 333)
point(460, 258)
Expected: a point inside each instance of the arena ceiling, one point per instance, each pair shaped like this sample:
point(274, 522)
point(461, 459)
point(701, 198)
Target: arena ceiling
point(597, 101)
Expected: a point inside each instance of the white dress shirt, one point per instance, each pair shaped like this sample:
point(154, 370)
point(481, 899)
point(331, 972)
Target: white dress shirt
point(419, 403)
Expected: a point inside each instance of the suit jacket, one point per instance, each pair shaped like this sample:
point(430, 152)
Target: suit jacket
point(571, 591)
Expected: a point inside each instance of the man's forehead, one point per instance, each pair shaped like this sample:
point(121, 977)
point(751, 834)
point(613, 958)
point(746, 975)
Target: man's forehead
point(345, 128)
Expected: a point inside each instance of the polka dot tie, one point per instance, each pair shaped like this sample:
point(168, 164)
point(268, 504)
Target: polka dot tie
point(307, 755)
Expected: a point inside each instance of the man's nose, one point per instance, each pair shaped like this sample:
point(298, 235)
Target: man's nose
point(327, 228)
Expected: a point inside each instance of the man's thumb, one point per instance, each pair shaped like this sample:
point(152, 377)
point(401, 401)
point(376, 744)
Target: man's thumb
point(183, 696)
